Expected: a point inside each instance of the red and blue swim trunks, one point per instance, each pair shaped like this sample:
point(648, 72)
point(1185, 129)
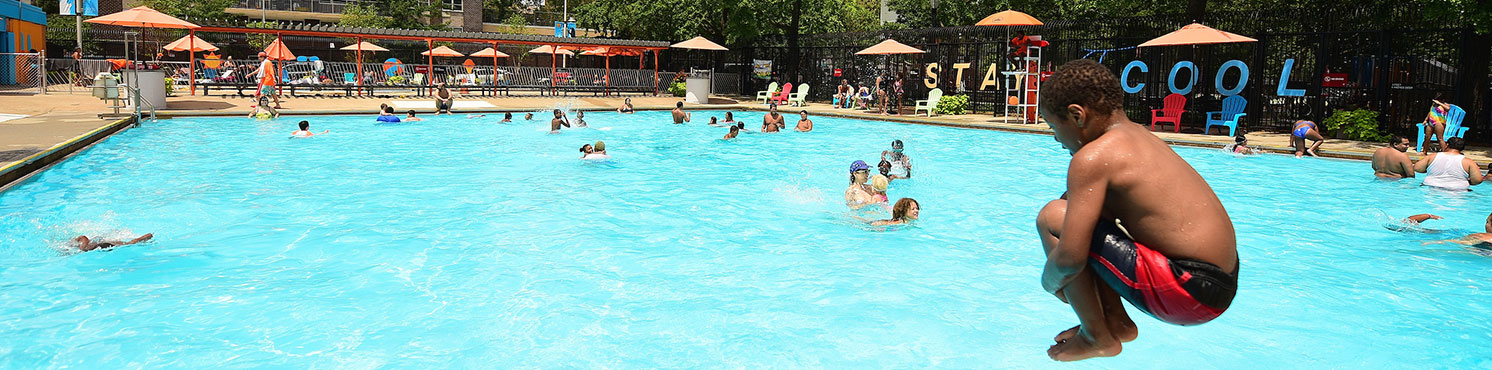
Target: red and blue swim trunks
point(1181, 291)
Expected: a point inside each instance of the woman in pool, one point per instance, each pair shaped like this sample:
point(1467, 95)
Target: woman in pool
point(1305, 130)
point(906, 210)
point(84, 244)
point(1240, 145)
point(714, 122)
point(859, 194)
point(626, 106)
point(730, 120)
point(263, 110)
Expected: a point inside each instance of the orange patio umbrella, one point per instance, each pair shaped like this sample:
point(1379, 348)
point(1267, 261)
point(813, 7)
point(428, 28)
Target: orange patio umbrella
point(1197, 34)
point(277, 51)
point(1009, 18)
point(889, 47)
point(146, 17)
point(552, 51)
point(699, 43)
point(442, 51)
point(361, 46)
point(190, 43)
point(494, 54)
point(608, 52)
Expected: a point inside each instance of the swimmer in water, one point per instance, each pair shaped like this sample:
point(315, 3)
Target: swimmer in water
point(859, 194)
point(901, 165)
point(585, 150)
point(678, 113)
point(84, 244)
point(383, 109)
point(734, 130)
point(1240, 145)
point(598, 151)
point(580, 119)
point(730, 120)
point(772, 121)
point(879, 183)
point(1479, 240)
point(626, 106)
point(507, 117)
point(906, 210)
point(528, 116)
point(263, 108)
point(388, 116)
point(885, 168)
point(305, 130)
point(559, 120)
point(804, 124)
point(409, 117)
point(470, 116)
point(1390, 162)
point(714, 122)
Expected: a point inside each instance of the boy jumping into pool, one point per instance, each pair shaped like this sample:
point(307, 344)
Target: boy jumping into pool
point(1136, 222)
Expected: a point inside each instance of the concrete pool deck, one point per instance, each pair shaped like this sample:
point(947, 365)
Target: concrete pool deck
point(58, 120)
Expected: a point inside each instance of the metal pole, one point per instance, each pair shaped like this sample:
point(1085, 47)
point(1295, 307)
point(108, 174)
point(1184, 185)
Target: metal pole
point(429, 63)
point(656, 54)
point(78, 16)
point(359, 82)
point(553, 54)
point(494, 69)
point(608, 73)
point(279, 39)
point(192, 69)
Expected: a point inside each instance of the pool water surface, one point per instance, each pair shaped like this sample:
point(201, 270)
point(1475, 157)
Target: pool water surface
point(467, 243)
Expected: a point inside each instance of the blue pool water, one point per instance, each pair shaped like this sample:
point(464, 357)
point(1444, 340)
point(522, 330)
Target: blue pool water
point(459, 243)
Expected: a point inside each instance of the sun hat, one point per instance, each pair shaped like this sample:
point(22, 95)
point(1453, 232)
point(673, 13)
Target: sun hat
point(859, 166)
point(600, 146)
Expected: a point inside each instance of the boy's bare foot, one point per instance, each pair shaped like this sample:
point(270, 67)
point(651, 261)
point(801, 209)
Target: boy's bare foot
point(1079, 345)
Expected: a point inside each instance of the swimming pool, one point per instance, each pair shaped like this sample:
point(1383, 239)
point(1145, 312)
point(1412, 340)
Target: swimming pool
point(466, 243)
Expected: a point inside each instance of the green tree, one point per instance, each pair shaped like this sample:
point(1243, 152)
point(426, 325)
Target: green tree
point(192, 8)
point(355, 15)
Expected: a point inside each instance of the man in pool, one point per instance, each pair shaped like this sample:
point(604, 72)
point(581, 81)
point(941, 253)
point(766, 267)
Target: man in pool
point(901, 165)
point(1449, 169)
point(804, 124)
point(773, 120)
point(559, 120)
point(580, 119)
point(1390, 162)
point(409, 117)
point(85, 244)
point(1174, 257)
point(679, 116)
point(305, 130)
point(1305, 130)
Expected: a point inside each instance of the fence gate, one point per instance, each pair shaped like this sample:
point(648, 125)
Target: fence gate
point(23, 73)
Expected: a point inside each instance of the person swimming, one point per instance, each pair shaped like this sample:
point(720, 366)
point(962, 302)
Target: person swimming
point(1480, 240)
point(263, 110)
point(83, 243)
point(905, 211)
point(1240, 145)
point(507, 117)
point(388, 115)
point(885, 168)
point(528, 116)
point(901, 165)
point(734, 130)
point(626, 106)
point(879, 183)
point(409, 117)
point(679, 116)
point(305, 130)
point(729, 120)
point(598, 151)
point(559, 120)
point(859, 194)
point(585, 150)
point(714, 122)
point(804, 124)
point(580, 119)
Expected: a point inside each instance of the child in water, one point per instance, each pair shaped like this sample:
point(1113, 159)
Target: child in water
point(507, 117)
point(878, 184)
point(906, 210)
point(409, 117)
point(734, 130)
point(1240, 145)
point(305, 130)
point(1175, 256)
point(580, 119)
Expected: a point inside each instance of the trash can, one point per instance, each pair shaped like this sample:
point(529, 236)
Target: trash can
point(697, 89)
point(152, 87)
point(105, 86)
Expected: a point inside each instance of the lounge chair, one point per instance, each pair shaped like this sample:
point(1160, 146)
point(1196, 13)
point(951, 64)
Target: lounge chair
point(1174, 105)
point(781, 97)
point(1453, 127)
point(799, 98)
point(1228, 117)
point(764, 96)
point(931, 102)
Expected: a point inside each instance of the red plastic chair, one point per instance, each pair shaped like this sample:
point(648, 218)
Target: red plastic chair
point(781, 98)
point(1174, 105)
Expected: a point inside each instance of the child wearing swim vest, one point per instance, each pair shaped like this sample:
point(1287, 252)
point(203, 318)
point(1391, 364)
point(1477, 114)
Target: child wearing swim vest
point(1136, 222)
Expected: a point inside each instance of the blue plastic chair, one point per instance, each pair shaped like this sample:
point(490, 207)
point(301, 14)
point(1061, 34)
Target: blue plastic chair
point(1453, 127)
point(1228, 117)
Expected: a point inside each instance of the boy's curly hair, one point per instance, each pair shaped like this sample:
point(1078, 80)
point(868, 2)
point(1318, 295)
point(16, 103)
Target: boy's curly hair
point(1082, 82)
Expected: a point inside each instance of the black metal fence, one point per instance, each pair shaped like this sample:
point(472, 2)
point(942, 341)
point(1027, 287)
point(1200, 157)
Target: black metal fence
point(1392, 71)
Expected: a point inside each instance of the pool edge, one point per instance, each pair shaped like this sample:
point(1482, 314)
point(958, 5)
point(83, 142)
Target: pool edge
point(18, 172)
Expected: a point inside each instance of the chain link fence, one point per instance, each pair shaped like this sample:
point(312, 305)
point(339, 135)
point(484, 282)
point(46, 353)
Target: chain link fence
point(22, 73)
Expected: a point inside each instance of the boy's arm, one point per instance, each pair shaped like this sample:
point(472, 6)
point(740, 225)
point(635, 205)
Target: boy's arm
point(1424, 163)
point(1086, 188)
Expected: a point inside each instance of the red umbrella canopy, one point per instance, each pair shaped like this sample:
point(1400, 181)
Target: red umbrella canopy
point(190, 42)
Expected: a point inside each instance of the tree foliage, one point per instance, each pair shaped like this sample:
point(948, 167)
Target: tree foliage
point(192, 8)
point(725, 21)
point(355, 15)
